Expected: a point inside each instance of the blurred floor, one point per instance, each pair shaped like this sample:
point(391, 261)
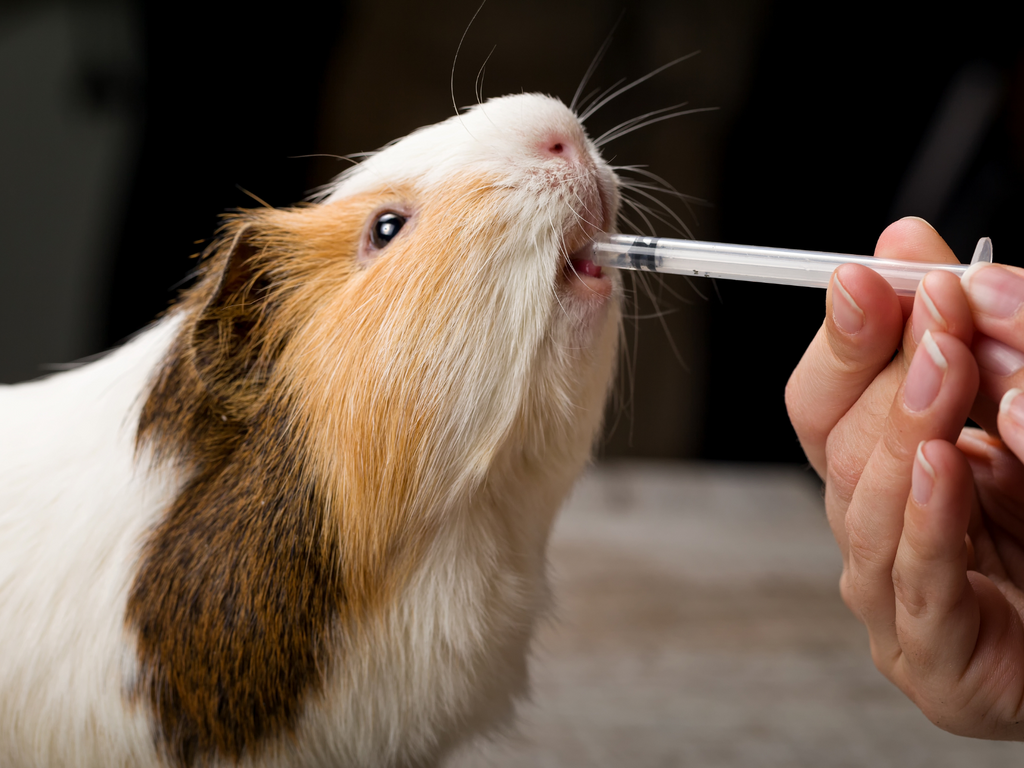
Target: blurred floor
point(698, 623)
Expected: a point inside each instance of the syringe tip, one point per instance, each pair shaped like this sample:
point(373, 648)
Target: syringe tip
point(982, 251)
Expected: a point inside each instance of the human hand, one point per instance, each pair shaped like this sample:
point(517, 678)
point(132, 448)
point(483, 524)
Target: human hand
point(933, 573)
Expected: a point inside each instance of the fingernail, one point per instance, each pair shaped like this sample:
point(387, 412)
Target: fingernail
point(928, 314)
point(996, 357)
point(922, 477)
point(976, 441)
point(917, 218)
point(1013, 406)
point(924, 379)
point(992, 290)
point(845, 312)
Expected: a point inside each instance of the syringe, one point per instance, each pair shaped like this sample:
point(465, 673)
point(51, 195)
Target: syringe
point(761, 265)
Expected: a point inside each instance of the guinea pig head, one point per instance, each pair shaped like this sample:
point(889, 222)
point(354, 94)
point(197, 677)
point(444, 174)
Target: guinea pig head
point(480, 330)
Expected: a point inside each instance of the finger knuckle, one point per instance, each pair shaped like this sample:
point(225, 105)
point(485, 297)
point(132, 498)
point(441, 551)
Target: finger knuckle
point(848, 593)
point(921, 657)
point(884, 659)
point(848, 360)
point(895, 443)
point(863, 549)
point(909, 597)
point(806, 426)
point(842, 471)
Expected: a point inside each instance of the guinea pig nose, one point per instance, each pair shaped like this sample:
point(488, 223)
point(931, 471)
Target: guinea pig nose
point(560, 146)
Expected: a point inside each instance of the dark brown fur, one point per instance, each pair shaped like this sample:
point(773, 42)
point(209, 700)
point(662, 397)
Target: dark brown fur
point(249, 582)
point(239, 586)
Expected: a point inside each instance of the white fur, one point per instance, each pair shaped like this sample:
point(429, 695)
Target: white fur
point(448, 658)
point(496, 138)
point(73, 506)
point(433, 673)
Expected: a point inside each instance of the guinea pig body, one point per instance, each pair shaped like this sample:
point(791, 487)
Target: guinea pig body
point(302, 519)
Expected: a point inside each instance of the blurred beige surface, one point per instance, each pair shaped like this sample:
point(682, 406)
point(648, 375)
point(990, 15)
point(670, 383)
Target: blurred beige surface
point(698, 623)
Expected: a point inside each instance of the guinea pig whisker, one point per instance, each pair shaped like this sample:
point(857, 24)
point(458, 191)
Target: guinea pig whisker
point(626, 131)
point(596, 61)
point(633, 186)
point(636, 184)
point(606, 91)
point(602, 102)
point(664, 286)
point(563, 247)
point(657, 314)
point(679, 224)
point(562, 306)
point(661, 319)
point(580, 216)
point(479, 86)
point(455, 61)
point(630, 122)
point(661, 185)
point(590, 96)
point(642, 211)
point(323, 154)
point(632, 225)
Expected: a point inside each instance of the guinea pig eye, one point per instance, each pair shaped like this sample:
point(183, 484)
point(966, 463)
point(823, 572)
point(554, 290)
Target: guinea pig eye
point(385, 228)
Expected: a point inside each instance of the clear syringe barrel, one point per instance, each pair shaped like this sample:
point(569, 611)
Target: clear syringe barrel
point(759, 264)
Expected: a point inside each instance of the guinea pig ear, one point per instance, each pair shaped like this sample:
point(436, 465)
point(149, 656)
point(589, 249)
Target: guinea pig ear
point(228, 341)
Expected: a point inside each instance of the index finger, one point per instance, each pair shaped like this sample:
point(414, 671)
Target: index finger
point(861, 331)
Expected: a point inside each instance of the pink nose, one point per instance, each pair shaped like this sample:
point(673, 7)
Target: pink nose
point(560, 146)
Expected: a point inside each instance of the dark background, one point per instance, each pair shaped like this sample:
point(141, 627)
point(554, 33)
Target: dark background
point(126, 129)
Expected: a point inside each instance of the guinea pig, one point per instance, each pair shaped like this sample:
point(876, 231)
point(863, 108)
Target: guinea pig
point(301, 519)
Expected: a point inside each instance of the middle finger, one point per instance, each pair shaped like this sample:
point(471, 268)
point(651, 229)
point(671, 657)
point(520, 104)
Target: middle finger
point(934, 402)
point(939, 306)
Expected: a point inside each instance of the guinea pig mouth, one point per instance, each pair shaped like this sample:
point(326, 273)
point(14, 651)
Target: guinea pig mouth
point(581, 275)
point(580, 262)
